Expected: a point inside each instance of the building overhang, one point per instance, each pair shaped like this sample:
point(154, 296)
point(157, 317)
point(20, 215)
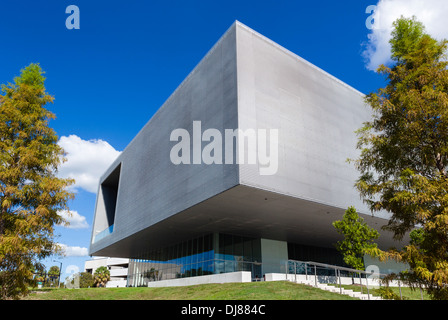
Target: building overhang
point(248, 211)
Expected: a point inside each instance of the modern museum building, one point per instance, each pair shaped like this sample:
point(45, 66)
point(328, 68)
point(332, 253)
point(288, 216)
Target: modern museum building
point(243, 168)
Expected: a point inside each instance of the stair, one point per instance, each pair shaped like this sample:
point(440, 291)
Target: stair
point(336, 289)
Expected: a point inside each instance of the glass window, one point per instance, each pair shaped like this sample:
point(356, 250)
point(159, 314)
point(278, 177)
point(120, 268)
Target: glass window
point(194, 253)
point(210, 267)
point(227, 246)
point(229, 266)
point(188, 252)
point(238, 248)
point(208, 245)
point(221, 244)
point(219, 266)
point(200, 244)
point(183, 258)
point(256, 250)
point(171, 253)
point(184, 253)
point(247, 249)
point(211, 253)
point(164, 254)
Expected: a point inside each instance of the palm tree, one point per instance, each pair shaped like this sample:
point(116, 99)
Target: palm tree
point(101, 276)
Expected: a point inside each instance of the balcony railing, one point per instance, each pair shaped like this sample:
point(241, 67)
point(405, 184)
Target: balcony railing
point(102, 234)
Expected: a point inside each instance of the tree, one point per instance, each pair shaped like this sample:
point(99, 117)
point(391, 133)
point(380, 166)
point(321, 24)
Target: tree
point(101, 276)
point(53, 275)
point(358, 238)
point(85, 280)
point(30, 192)
point(151, 275)
point(404, 154)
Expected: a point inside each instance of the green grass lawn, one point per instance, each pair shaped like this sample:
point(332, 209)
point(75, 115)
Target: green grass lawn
point(276, 290)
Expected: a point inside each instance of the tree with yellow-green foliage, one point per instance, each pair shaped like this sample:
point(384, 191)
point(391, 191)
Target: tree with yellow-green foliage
point(358, 238)
point(404, 155)
point(31, 195)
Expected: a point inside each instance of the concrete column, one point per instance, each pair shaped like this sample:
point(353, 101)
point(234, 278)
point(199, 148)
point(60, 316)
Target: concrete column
point(274, 255)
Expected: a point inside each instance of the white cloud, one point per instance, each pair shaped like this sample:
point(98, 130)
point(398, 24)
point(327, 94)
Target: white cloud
point(75, 220)
point(432, 13)
point(73, 251)
point(86, 161)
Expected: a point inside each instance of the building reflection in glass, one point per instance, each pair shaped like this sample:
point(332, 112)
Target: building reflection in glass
point(209, 254)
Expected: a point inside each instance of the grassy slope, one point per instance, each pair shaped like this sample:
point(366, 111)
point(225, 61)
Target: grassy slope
point(231, 291)
point(406, 292)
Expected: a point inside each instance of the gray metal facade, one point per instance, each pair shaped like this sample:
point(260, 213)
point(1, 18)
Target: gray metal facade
point(247, 82)
point(316, 116)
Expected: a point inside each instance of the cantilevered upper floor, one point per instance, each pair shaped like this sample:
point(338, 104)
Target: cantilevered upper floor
point(254, 141)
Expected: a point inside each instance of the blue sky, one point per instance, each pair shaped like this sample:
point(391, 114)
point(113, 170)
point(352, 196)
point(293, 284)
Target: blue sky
point(111, 75)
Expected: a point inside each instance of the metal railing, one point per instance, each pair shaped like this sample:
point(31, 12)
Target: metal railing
point(141, 273)
point(104, 233)
point(332, 274)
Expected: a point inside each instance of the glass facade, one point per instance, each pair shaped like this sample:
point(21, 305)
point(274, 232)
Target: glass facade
point(213, 254)
point(316, 254)
point(209, 254)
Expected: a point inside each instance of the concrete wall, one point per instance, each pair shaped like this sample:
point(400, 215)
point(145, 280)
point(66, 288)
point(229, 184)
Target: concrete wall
point(116, 284)
point(104, 262)
point(244, 276)
point(274, 255)
point(241, 276)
